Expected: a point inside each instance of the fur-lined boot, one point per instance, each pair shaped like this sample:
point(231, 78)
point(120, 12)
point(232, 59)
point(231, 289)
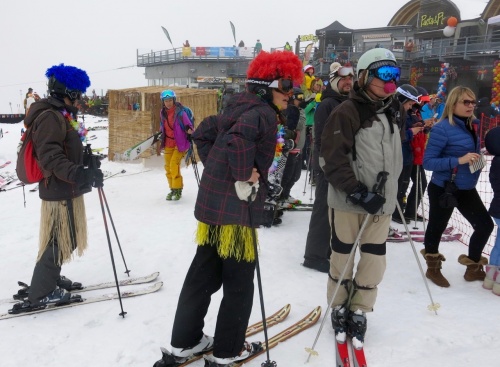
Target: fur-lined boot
point(433, 273)
point(491, 275)
point(474, 269)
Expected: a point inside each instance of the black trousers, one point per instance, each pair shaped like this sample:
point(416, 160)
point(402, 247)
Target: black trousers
point(291, 174)
point(414, 196)
point(403, 183)
point(471, 207)
point(318, 237)
point(208, 272)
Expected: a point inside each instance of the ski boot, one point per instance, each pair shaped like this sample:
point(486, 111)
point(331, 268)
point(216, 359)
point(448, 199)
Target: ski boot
point(182, 355)
point(62, 282)
point(357, 325)
point(339, 322)
point(249, 349)
point(170, 195)
point(177, 194)
point(57, 297)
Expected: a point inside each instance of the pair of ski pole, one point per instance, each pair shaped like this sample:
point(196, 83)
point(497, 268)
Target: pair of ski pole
point(433, 306)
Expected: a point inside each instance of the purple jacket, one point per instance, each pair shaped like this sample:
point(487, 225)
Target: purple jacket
point(182, 123)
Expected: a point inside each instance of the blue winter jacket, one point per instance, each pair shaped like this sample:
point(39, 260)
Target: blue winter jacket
point(427, 111)
point(446, 144)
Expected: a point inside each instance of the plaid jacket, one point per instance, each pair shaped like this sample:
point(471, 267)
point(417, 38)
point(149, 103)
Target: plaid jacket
point(230, 146)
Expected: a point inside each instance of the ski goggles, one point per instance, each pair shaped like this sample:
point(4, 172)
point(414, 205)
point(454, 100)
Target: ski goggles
point(298, 97)
point(345, 71)
point(386, 73)
point(73, 94)
point(284, 86)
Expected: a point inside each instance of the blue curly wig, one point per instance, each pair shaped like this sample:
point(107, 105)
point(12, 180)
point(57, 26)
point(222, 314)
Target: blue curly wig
point(72, 77)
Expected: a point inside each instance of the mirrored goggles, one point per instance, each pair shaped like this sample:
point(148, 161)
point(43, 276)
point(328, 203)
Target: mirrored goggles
point(345, 71)
point(73, 94)
point(386, 73)
point(283, 85)
point(298, 97)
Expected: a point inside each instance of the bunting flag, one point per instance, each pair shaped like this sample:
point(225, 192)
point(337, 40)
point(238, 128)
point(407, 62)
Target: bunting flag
point(307, 54)
point(168, 36)
point(234, 31)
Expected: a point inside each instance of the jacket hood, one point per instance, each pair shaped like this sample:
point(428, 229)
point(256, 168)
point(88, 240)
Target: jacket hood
point(492, 141)
point(240, 103)
point(44, 104)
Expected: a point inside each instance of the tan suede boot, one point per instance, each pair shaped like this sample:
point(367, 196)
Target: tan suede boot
point(474, 269)
point(433, 273)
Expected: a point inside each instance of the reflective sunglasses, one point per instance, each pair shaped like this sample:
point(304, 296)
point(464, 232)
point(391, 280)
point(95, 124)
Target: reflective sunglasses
point(468, 102)
point(386, 73)
point(73, 94)
point(285, 86)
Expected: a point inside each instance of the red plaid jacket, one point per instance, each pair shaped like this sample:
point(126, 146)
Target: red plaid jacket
point(230, 146)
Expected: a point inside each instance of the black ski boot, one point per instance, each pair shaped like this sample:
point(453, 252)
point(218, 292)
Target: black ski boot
point(339, 319)
point(62, 282)
point(57, 297)
point(357, 325)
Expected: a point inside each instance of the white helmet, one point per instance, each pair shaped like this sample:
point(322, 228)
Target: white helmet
point(375, 58)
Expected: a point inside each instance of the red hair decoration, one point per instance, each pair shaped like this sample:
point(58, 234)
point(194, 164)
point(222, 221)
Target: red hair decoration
point(276, 65)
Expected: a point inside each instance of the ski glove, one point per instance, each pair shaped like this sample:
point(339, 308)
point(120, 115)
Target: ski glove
point(372, 202)
point(88, 177)
point(244, 190)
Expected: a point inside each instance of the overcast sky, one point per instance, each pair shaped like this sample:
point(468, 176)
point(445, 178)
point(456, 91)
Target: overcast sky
point(103, 36)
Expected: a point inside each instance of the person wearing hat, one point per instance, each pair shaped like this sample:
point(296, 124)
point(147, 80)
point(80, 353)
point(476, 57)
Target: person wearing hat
point(237, 149)
point(57, 139)
point(361, 160)
point(408, 96)
point(317, 251)
point(308, 78)
point(257, 48)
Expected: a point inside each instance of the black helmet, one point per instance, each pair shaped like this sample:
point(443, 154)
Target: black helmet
point(298, 94)
point(407, 92)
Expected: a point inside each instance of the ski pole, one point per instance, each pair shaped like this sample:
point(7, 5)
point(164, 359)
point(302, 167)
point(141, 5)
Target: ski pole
point(127, 271)
point(114, 174)
point(100, 191)
point(433, 306)
point(268, 362)
point(195, 169)
point(308, 166)
point(311, 350)
point(417, 190)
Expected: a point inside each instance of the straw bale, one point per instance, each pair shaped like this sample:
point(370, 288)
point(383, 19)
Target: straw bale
point(128, 127)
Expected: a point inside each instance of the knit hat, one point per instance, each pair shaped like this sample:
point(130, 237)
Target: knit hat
point(337, 72)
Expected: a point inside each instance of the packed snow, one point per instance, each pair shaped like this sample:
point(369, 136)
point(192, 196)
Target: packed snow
point(157, 235)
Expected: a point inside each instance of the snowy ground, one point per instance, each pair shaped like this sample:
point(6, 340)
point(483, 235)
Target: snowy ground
point(157, 235)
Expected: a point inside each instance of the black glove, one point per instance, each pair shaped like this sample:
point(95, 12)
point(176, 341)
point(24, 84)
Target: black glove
point(369, 201)
point(288, 144)
point(87, 178)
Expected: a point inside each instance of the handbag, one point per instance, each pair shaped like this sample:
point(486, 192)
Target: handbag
point(448, 198)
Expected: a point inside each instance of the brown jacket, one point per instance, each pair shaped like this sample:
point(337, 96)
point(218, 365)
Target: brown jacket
point(58, 148)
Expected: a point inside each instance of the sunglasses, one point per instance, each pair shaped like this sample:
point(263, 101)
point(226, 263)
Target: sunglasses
point(468, 102)
point(386, 73)
point(285, 86)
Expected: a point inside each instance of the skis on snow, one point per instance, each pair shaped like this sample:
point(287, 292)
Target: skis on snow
point(83, 301)
point(168, 360)
point(418, 236)
point(130, 281)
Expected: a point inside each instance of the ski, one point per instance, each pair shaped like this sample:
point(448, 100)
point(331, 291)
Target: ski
point(83, 301)
point(130, 281)
point(342, 353)
point(298, 207)
point(34, 189)
point(134, 152)
point(301, 325)
point(272, 320)
point(5, 164)
point(358, 355)
point(397, 234)
point(444, 238)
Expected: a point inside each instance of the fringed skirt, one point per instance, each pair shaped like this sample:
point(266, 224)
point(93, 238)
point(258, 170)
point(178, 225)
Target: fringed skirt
point(55, 224)
point(233, 240)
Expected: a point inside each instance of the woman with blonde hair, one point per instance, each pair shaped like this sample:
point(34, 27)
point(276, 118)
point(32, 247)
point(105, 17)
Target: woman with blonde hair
point(452, 154)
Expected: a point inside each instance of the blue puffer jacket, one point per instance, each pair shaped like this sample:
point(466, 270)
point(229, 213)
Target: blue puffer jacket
point(446, 144)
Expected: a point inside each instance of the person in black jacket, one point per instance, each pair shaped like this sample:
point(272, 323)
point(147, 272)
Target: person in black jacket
point(57, 137)
point(317, 252)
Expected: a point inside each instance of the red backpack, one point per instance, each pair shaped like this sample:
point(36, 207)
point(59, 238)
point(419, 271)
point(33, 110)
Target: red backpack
point(27, 167)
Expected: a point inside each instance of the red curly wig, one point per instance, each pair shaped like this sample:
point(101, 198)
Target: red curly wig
point(276, 65)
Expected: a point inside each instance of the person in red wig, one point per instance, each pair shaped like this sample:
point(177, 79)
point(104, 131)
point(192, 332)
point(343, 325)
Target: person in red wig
point(236, 148)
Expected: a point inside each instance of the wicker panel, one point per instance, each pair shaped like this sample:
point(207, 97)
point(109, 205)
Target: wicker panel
point(128, 127)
